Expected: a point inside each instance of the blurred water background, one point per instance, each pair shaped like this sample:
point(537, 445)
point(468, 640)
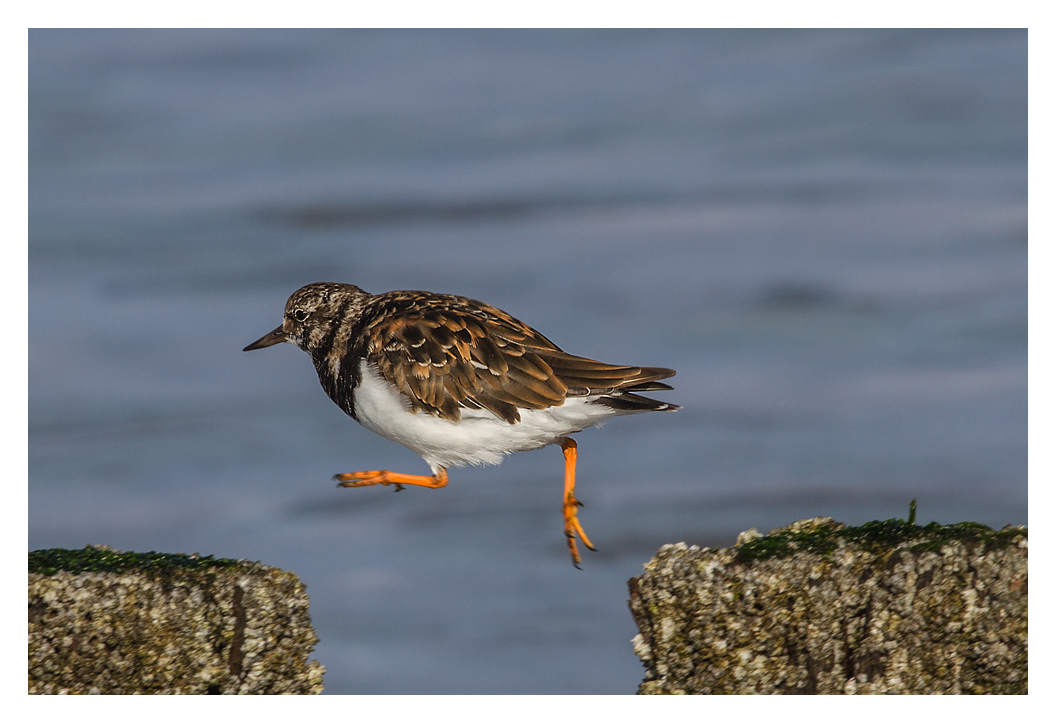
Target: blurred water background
point(825, 233)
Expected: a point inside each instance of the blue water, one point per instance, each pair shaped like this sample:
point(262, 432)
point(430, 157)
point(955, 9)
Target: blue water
point(825, 233)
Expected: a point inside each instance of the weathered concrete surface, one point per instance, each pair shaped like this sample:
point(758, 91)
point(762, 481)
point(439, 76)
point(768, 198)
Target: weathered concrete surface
point(818, 608)
point(106, 622)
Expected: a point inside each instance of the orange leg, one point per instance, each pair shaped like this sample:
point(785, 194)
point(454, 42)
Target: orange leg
point(384, 477)
point(569, 512)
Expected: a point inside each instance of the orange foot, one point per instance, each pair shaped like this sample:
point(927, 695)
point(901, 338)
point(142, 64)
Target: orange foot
point(569, 509)
point(384, 477)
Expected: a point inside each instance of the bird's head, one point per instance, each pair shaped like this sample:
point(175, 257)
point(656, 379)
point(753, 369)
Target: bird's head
point(312, 313)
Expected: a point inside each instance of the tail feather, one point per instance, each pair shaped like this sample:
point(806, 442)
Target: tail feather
point(628, 402)
point(583, 376)
point(648, 387)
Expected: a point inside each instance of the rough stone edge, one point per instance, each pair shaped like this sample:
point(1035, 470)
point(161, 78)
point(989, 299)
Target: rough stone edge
point(197, 573)
point(964, 533)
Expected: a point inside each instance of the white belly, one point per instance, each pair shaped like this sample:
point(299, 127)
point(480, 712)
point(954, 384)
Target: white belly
point(479, 438)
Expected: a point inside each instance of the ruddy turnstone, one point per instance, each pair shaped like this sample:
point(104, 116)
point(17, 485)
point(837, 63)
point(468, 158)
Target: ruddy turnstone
point(456, 380)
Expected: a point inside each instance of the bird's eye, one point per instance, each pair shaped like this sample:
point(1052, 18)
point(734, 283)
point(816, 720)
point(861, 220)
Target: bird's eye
point(300, 315)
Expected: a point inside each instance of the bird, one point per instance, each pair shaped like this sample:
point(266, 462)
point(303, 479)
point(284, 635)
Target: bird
point(457, 381)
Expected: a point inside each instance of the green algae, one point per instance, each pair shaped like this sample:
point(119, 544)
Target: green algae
point(877, 536)
point(99, 559)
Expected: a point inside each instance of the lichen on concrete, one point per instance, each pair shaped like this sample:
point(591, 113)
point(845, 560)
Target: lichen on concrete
point(818, 607)
point(106, 622)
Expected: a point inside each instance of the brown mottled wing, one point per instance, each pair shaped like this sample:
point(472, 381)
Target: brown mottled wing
point(447, 353)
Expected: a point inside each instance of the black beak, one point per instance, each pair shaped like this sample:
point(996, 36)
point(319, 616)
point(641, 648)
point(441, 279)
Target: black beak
point(276, 336)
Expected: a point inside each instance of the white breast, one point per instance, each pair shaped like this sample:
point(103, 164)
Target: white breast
point(479, 438)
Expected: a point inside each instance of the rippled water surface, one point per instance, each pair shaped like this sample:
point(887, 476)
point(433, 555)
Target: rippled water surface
point(825, 233)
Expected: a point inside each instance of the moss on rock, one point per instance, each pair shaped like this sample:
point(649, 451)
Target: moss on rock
point(103, 559)
point(106, 622)
point(818, 607)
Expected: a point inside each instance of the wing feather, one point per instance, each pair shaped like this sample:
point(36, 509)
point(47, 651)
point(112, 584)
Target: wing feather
point(448, 353)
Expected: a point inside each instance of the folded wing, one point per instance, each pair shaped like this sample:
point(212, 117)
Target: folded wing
point(457, 353)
